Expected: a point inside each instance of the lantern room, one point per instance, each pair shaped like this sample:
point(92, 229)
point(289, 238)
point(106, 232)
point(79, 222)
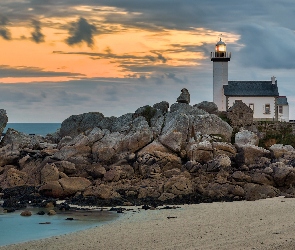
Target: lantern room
point(220, 46)
point(220, 52)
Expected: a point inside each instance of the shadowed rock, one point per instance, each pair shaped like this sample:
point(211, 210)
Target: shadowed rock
point(184, 96)
point(3, 120)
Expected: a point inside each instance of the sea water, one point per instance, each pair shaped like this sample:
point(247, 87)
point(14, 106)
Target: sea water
point(15, 228)
point(34, 128)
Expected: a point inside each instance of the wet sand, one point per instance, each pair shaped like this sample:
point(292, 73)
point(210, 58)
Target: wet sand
point(262, 224)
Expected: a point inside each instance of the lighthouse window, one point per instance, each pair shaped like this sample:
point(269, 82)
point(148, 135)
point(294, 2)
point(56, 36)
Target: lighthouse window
point(267, 109)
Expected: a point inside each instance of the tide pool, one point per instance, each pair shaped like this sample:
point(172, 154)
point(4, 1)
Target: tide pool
point(15, 228)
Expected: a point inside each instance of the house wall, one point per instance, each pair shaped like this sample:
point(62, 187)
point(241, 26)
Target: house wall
point(220, 78)
point(259, 105)
point(285, 116)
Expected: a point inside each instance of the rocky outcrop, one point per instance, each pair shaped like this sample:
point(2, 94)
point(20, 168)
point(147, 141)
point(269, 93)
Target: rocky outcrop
point(152, 156)
point(3, 120)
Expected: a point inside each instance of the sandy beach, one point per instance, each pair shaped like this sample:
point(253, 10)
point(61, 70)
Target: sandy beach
point(262, 224)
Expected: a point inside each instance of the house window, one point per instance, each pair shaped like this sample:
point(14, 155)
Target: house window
point(251, 106)
point(280, 109)
point(267, 109)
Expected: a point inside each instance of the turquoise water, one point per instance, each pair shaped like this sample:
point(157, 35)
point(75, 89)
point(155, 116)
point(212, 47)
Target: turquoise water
point(15, 228)
point(34, 128)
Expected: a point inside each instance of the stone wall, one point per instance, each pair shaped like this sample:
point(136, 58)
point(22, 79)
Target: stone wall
point(240, 115)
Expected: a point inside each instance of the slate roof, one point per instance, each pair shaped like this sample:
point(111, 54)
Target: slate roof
point(282, 100)
point(251, 88)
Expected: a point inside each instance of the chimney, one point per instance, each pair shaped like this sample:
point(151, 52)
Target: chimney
point(273, 80)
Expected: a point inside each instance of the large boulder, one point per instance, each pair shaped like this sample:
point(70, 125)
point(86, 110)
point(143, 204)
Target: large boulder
point(255, 191)
point(145, 192)
point(66, 167)
point(239, 176)
point(178, 185)
point(19, 140)
point(224, 148)
point(77, 124)
point(13, 178)
point(105, 149)
point(140, 135)
point(102, 192)
point(200, 152)
point(52, 189)
point(96, 171)
point(3, 120)
point(246, 137)
point(217, 190)
point(154, 159)
point(72, 185)
point(250, 154)
point(163, 106)
point(219, 162)
point(115, 146)
point(49, 173)
point(8, 155)
point(283, 175)
point(279, 150)
point(175, 131)
point(211, 124)
point(75, 154)
point(209, 107)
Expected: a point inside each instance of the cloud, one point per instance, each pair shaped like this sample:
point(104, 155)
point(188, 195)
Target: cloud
point(81, 31)
point(4, 32)
point(266, 46)
point(128, 62)
point(176, 79)
point(37, 35)
point(22, 71)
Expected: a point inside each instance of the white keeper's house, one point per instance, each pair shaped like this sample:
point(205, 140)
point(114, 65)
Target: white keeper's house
point(261, 96)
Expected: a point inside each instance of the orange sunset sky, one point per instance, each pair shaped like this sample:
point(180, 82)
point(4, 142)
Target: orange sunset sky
point(60, 58)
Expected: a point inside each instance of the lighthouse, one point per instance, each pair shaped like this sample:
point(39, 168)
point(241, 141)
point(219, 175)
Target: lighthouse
point(220, 59)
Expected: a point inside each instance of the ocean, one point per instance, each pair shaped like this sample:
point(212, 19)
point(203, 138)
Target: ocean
point(34, 128)
point(15, 228)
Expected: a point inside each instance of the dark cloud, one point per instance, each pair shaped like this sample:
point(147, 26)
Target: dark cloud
point(81, 31)
point(18, 96)
point(267, 47)
point(176, 79)
point(68, 98)
point(128, 62)
point(4, 32)
point(37, 35)
point(7, 71)
point(109, 55)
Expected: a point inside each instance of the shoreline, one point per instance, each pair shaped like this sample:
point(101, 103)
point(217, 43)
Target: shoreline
point(261, 224)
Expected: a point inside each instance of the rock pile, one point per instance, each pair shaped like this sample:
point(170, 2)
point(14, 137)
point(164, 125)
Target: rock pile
point(153, 155)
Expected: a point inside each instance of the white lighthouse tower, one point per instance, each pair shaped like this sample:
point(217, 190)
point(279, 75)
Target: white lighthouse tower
point(220, 60)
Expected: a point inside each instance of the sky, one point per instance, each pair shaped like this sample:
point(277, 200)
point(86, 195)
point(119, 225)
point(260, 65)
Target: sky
point(66, 57)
